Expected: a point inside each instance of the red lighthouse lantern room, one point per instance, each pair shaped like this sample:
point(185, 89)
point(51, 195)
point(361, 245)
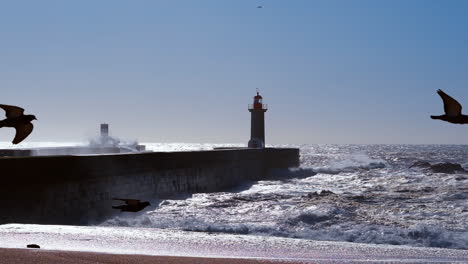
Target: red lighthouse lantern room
point(258, 104)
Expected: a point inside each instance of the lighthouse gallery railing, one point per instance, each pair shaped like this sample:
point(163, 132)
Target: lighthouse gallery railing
point(264, 106)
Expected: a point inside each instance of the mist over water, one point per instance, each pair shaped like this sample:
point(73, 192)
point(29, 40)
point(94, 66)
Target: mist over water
point(355, 193)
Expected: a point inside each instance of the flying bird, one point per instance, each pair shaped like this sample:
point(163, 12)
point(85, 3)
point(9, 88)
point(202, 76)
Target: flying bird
point(259, 6)
point(131, 205)
point(452, 110)
point(15, 118)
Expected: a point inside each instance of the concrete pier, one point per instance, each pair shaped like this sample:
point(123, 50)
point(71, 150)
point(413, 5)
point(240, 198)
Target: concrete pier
point(79, 189)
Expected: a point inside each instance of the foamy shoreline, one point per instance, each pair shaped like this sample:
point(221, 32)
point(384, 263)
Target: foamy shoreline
point(156, 242)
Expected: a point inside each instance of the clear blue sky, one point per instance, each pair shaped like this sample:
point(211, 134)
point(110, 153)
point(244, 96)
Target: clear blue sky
point(184, 71)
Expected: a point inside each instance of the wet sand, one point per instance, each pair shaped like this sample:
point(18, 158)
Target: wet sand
point(39, 256)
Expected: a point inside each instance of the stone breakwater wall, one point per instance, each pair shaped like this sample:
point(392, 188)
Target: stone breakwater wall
point(79, 189)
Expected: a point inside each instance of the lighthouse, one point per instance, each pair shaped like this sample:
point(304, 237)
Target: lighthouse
point(257, 123)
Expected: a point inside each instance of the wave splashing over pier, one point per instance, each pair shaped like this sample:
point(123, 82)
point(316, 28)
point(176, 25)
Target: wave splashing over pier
point(356, 193)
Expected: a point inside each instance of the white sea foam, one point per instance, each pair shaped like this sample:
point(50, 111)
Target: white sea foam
point(301, 226)
point(145, 241)
point(369, 197)
point(350, 163)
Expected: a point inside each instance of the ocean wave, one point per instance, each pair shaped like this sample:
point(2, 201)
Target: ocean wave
point(334, 196)
point(315, 214)
point(351, 163)
point(301, 226)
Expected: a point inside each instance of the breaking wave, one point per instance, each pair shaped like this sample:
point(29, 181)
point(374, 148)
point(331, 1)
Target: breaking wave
point(351, 163)
point(365, 198)
point(301, 226)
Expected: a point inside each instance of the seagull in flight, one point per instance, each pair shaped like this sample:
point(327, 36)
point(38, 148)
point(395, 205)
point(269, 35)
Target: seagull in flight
point(453, 110)
point(15, 118)
point(131, 205)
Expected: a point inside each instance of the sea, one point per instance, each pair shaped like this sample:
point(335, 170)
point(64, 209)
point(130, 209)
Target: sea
point(372, 194)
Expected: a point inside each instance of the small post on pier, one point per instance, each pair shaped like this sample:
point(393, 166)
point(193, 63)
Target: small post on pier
point(257, 125)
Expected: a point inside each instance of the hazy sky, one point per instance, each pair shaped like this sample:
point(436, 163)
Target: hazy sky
point(184, 71)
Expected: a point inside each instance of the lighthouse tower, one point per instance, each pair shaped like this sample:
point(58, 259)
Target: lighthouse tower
point(257, 125)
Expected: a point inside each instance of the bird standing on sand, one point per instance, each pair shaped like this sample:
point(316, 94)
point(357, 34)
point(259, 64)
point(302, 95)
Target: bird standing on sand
point(452, 110)
point(15, 118)
point(131, 205)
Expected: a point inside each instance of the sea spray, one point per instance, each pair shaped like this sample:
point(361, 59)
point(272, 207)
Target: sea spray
point(109, 141)
point(367, 198)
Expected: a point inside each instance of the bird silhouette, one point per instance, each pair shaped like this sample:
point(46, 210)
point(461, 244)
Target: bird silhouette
point(131, 205)
point(15, 118)
point(452, 110)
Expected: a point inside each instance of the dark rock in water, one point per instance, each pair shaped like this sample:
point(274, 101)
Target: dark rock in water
point(424, 190)
point(376, 165)
point(358, 197)
point(33, 246)
point(403, 190)
point(421, 164)
point(326, 192)
point(322, 193)
point(447, 167)
point(428, 189)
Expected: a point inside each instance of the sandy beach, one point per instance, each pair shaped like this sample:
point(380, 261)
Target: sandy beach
point(38, 256)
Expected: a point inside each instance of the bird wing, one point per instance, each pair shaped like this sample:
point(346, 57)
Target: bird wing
point(22, 132)
point(12, 111)
point(451, 106)
point(128, 201)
